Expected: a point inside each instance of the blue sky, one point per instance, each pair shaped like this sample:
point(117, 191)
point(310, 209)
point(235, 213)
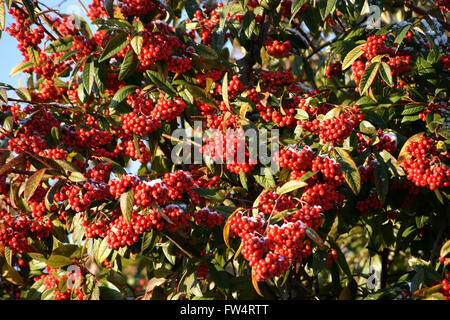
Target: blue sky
point(10, 55)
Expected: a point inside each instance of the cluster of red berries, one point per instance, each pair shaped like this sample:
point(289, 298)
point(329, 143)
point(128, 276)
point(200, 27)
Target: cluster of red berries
point(277, 49)
point(370, 203)
point(288, 240)
point(272, 265)
point(286, 9)
point(337, 129)
point(271, 202)
point(231, 148)
point(386, 141)
point(375, 45)
point(366, 172)
point(55, 278)
point(100, 172)
point(424, 168)
point(96, 9)
point(274, 80)
point(399, 65)
point(241, 225)
point(146, 193)
point(208, 218)
point(329, 168)
point(202, 271)
point(311, 216)
point(434, 109)
point(168, 110)
point(178, 64)
point(118, 186)
point(22, 31)
point(294, 158)
point(443, 4)
point(282, 116)
point(139, 125)
point(445, 289)
point(135, 8)
point(334, 70)
point(127, 147)
point(31, 143)
point(323, 195)
point(208, 19)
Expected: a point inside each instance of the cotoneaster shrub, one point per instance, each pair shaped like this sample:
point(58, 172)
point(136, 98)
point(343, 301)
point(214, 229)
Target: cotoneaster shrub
point(94, 206)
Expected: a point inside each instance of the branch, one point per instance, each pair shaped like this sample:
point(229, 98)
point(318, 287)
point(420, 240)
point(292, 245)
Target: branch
point(424, 13)
point(188, 249)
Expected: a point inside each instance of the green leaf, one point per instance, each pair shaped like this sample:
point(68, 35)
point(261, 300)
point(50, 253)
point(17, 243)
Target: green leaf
point(102, 251)
point(368, 77)
point(266, 180)
point(68, 166)
point(122, 94)
point(12, 275)
point(243, 179)
point(2, 15)
point(117, 43)
point(349, 169)
point(29, 7)
point(162, 84)
point(60, 45)
point(12, 163)
point(225, 90)
point(58, 261)
point(201, 95)
point(8, 255)
point(3, 95)
point(8, 124)
point(169, 257)
point(129, 65)
point(33, 183)
point(109, 7)
point(138, 39)
point(296, 6)
point(445, 250)
point(412, 109)
point(126, 204)
point(77, 177)
point(205, 52)
point(34, 55)
point(88, 75)
point(209, 194)
point(399, 38)
point(291, 186)
point(381, 175)
point(51, 192)
point(386, 73)
point(108, 291)
point(354, 54)
point(331, 5)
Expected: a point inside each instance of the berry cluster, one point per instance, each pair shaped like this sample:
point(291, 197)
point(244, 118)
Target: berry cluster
point(385, 141)
point(367, 204)
point(208, 218)
point(336, 129)
point(57, 278)
point(271, 202)
point(334, 70)
point(424, 168)
point(277, 48)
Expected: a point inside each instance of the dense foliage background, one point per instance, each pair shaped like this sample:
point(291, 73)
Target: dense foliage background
point(92, 205)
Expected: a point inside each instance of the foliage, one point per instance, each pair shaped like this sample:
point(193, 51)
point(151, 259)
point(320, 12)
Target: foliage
point(358, 210)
